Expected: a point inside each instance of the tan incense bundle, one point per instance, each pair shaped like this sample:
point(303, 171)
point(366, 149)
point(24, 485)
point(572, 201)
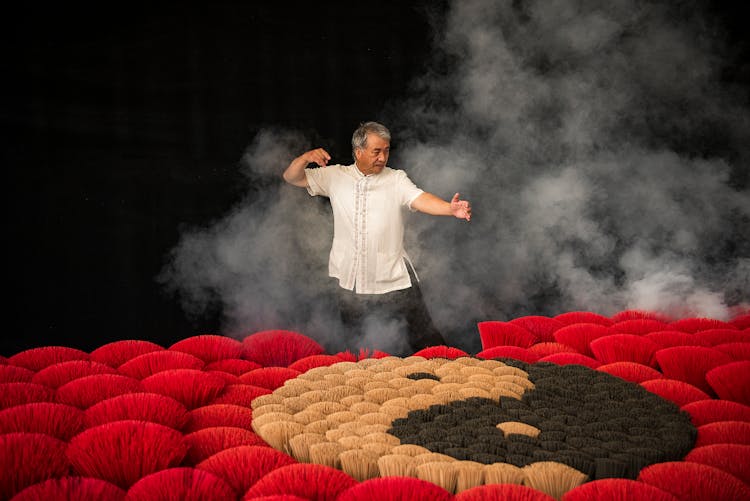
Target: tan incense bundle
point(521, 381)
point(425, 385)
point(453, 377)
point(358, 381)
point(365, 407)
point(404, 370)
point(484, 385)
point(376, 418)
point(321, 426)
point(300, 383)
point(447, 370)
point(351, 427)
point(367, 362)
point(365, 430)
point(291, 390)
point(509, 370)
point(307, 417)
point(300, 445)
point(335, 379)
point(385, 377)
point(423, 401)
point(381, 395)
point(327, 407)
point(350, 441)
point(491, 364)
point(488, 379)
point(296, 404)
point(357, 373)
point(446, 397)
point(379, 448)
point(497, 392)
point(338, 393)
point(342, 417)
point(510, 387)
point(413, 359)
point(270, 417)
point(352, 399)
point(360, 464)
point(335, 434)
point(433, 457)
point(503, 473)
point(326, 453)
point(373, 384)
point(553, 478)
point(318, 373)
point(428, 364)
point(390, 363)
point(265, 400)
point(278, 433)
point(399, 382)
point(439, 473)
point(394, 411)
point(408, 391)
point(447, 387)
point(469, 474)
point(411, 450)
point(400, 401)
point(381, 437)
point(518, 428)
point(269, 408)
point(397, 465)
point(313, 396)
point(342, 367)
point(464, 361)
point(473, 392)
point(474, 370)
point(320, 384)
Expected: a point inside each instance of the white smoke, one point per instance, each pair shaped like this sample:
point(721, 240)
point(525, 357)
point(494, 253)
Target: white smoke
point(596, 142)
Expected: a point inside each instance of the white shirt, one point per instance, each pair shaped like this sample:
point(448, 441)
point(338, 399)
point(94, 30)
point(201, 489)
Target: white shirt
point(367, 254)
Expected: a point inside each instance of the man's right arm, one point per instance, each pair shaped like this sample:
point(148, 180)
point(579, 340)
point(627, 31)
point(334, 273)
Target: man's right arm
point(295, 172)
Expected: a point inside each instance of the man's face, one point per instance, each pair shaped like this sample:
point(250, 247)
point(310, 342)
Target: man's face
point(374, 156)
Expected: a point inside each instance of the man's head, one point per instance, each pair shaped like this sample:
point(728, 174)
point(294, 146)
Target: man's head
point(371, 145)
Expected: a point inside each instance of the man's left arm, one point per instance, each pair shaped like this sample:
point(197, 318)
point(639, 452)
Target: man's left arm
point(431, 204)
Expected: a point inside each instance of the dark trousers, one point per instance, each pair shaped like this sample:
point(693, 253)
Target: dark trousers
point(406, 307)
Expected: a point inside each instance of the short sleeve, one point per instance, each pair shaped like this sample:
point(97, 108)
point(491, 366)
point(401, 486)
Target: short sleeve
point(318, 181)
point(408, 190)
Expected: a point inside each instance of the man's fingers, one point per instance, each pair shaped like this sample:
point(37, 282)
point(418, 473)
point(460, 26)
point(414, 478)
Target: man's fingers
point(319, 156)
point(461, 205)
point(324, 155)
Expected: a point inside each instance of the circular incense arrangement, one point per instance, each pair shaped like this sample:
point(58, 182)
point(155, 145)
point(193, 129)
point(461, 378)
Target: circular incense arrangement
point(464, 422)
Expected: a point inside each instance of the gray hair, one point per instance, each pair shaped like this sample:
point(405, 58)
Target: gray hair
point(359, 138)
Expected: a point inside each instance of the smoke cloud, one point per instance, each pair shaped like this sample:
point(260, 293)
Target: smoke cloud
point(605, 159)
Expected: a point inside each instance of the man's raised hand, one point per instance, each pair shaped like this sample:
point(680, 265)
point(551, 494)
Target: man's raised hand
point(317, 156)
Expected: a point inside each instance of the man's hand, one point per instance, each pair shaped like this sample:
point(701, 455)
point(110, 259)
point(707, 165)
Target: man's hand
point(460, 208)
point(317, 156)
point(295, 173)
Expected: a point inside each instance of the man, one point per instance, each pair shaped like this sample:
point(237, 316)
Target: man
point(367, 256)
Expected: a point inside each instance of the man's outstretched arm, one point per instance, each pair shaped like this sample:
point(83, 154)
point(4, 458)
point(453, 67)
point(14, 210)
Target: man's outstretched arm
point(295, 172)
point(431, 204)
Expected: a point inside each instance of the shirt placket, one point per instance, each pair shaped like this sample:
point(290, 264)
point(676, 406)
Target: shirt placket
point(360, 234)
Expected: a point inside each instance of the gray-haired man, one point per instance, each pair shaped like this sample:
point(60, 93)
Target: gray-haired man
point(368, 256)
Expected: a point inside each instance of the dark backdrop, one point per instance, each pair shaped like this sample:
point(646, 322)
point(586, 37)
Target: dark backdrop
point(125, 121)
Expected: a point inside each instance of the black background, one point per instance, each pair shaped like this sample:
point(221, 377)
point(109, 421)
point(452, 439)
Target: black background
point(126, 121)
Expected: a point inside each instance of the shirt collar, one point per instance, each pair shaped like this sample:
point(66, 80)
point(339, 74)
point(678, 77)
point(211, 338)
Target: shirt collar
point(356, 169)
